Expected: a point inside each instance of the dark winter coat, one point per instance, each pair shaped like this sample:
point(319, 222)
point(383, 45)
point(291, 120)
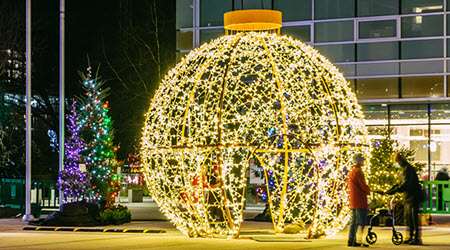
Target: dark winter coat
point(410, 186)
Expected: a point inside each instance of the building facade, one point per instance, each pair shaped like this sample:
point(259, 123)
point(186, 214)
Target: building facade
point(393, 52)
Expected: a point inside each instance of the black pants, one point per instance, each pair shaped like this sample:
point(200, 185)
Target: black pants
point(412, 219)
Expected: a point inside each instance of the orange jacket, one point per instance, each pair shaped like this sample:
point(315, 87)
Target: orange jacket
point(357, 188)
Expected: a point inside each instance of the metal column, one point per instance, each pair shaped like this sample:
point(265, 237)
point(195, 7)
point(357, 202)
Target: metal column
point(28, 216)
point(61, 94)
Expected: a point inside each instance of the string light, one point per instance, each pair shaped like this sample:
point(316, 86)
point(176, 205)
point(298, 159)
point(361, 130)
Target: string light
point(252, 97)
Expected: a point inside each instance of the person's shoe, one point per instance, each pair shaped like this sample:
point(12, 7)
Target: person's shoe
point(353, 244)
point(408, 241)
point(365, 245)
point(416, 242)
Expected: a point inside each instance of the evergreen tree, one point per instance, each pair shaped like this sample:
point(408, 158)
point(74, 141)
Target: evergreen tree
point(73, 182)
point(384, 173)
point(96, 132)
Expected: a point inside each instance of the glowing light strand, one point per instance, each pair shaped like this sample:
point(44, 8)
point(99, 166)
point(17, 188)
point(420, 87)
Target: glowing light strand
point(202, 129)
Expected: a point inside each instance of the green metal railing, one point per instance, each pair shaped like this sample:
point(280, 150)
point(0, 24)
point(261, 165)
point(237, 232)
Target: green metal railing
point(437, 197)
point(44, 194)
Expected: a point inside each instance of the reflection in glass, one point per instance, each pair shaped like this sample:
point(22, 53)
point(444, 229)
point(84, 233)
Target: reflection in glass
point(327, 9)
point(184, 12)
point(414, 137)
point(421, 6)
point(211, 12)
point(375, 114)
point(409, 114)
point(440, 113)
point(184, 40)
point(422, 49)
point(209, 34)
point(419, 26)
point(333, 31)
point(300, 32)
point(377, 29)
point(377, 88)
point(252, 4)
point(377, 51)
point(294, 10)
point(338, 52)
point(439, 148)
point(423, 86)
point(377, 7)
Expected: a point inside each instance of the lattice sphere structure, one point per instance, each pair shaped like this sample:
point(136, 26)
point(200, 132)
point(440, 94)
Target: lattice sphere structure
point(256, 97)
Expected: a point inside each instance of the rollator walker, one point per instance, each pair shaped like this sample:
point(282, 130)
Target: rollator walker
point(397, 237)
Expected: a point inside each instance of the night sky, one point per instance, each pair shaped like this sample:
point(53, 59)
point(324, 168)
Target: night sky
point(111, 34)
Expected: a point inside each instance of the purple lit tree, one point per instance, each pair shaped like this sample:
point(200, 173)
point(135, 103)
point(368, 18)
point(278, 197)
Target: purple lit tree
point(74, 183)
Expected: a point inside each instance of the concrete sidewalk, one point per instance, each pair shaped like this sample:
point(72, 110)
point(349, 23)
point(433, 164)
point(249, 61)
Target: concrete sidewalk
point(254, 235)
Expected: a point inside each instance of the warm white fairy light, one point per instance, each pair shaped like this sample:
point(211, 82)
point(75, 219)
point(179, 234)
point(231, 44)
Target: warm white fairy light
point(256, 96)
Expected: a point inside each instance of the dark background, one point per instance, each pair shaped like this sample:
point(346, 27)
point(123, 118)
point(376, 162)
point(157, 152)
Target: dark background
point(130, 42)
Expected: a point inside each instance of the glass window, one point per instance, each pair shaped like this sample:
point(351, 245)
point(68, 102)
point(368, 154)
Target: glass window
point(209, 34)
point(377, 7)
point(377, 51)
point(184, 14)
point(180, 55)
point(252, 4)
point(301, 32)
point(211, 12)
point(414, 137)
point(377, 68)
point(423, 86)
point(440, 113)
point(377, 29)
point(375, 114)
point(333, 31)
point(184, 40)
point(439, 148)
point(448, 22)
point(421, 6)
point(418, 26)
point(377, 88)
point(422, 49)
point(327, 9)
point(351, 84)
point(338, 52)
point(409, 114)
point(422, 67)
point(294, 10)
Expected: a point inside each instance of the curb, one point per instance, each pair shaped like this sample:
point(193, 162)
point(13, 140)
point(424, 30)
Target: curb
point(95, 229)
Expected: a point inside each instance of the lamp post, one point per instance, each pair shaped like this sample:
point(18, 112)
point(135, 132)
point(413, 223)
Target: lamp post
point(28, 216)
point(61, 94)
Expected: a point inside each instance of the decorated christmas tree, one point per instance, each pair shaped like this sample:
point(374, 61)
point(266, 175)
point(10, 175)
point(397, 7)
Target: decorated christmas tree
point(384, 172)
point(97, 133)
point(73, 182)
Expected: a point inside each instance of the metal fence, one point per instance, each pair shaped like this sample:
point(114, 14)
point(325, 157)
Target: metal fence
point(44, 194)
point(437, 197)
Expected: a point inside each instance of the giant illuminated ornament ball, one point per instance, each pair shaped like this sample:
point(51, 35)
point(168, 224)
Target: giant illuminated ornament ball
point(252, 97)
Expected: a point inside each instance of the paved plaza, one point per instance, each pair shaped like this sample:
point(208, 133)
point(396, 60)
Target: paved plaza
point(255, 235)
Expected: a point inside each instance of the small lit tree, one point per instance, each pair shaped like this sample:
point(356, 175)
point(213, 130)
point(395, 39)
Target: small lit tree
point(96, 131)
point(383, 171)
point(73, 182)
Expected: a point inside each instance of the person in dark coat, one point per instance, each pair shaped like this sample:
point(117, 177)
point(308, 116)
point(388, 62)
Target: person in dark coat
point(413, 193)
point(442, 175)
point(357, 192)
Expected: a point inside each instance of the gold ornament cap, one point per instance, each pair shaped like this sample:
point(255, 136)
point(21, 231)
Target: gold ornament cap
point(252, 20)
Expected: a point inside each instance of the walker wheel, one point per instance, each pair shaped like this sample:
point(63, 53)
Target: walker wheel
point(397, 238)
point(371, 238)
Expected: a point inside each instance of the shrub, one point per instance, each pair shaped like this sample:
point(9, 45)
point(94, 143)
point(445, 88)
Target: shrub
point(115, 215)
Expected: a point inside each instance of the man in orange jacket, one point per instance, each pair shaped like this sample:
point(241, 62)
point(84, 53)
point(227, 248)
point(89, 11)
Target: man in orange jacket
point(358, 191)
